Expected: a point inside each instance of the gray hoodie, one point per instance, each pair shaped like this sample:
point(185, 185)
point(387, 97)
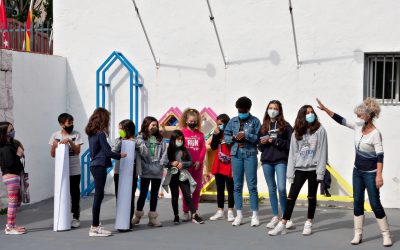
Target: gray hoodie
point(151, 159)
point(308, 154)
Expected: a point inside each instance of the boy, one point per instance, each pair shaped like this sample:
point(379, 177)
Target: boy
point(67, 135)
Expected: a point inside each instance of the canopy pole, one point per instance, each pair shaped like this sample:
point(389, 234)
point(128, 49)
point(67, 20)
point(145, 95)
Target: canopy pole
point(294, 33)
point(156, 60)
point(216, 32)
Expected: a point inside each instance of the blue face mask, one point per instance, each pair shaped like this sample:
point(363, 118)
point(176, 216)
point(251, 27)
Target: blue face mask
point(243, 116)
point(11, 134)
point(310, 118)
point(221, 127)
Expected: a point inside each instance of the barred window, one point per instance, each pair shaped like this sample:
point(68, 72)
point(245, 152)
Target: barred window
point(382, 77)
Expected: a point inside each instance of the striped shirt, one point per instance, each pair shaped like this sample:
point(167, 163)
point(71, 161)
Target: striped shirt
point(369, 149)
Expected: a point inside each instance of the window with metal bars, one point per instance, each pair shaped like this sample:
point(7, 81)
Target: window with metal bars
point(381, 77)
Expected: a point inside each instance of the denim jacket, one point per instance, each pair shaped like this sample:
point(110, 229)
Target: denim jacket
point(251, 133)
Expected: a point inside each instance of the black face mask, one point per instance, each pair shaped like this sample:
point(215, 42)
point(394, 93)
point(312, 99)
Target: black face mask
point(192, 125)
point(69, 129)
point(154, 131)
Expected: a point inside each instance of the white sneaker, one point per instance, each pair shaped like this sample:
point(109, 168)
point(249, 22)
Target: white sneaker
point(273, 222)
point(219, 215)
point(279, 229)
point(99, 232)
point(231, 217)
point(289, 224)
point(13, 231)
point(307, 228)
point(255, 222)
point(186, 217)
point(237, 221)
point(75, 223)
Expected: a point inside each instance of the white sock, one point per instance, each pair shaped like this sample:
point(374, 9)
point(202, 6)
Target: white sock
point(239, 213)
point(255, 213)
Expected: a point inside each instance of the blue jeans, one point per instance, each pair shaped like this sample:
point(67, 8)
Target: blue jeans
point(269, 174)
point(366, 180)
point(245, 163)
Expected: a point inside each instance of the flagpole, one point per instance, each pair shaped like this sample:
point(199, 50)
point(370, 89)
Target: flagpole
point(294, 33)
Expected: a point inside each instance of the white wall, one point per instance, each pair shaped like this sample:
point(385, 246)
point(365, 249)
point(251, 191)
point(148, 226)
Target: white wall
point(39, 87)
point(257, 39)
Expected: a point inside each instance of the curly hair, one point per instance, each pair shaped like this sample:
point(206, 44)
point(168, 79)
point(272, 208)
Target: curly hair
point(301, 125)
point(190, 112)
point(243, 103)
point(369, 107)
point(98, 121)
point(280, 118)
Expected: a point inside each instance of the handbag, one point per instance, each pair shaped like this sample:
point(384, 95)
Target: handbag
point(226, 159)
point(24, 185)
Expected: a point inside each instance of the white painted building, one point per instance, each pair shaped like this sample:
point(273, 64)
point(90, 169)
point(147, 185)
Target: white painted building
point(334, 39)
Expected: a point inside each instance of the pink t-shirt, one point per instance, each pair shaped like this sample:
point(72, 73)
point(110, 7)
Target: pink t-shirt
point(195, 143)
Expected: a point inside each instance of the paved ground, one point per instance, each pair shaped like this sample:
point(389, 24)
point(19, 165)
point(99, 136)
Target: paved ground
point(332, 230)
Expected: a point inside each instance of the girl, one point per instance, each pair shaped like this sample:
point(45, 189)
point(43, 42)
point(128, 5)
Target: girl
point(242, 133)
point(307, 162)
point(190, 124)
point(127, 132)
point(178, 161)
point(368, 166)
point(274, 146)
point(100, 154)
point(222, 169)
point(11, 152)
point(152, 170)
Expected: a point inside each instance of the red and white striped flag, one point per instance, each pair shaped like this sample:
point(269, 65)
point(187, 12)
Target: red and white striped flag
point(3, 25)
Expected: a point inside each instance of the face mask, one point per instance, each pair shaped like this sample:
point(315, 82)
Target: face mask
point(310, 118)
point(221, 127)
point(273, 113)
point(243, 116)
point(11, 134)
point(360, 122)
point(192, 125)
point(69, 129)
point(178, 144)
point(122, 133)
point(154, 130)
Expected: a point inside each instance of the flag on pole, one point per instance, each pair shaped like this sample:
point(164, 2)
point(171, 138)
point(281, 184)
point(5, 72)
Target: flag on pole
point(28, 28)
point(3, 25)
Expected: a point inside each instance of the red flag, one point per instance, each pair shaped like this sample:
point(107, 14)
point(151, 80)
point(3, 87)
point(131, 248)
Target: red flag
point(3, 25)
point(28, 28)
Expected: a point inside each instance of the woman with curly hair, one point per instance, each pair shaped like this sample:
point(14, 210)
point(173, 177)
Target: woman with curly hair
point(368, 166)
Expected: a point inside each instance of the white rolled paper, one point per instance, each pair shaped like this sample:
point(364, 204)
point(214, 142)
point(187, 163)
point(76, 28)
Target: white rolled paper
point(125, 182)
point(62, 199)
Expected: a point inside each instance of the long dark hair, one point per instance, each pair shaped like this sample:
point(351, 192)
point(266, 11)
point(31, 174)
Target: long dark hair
point(129, 127)
point(98, 121)
point(172, 148)
point(301, 125)
point(3, 132)
point(144, 129)
point(267, 119)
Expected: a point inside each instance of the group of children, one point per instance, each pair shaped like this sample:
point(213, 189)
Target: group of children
point(288, 154)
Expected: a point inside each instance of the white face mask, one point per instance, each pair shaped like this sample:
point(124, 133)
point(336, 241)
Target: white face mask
point(359, 122)
point(273, 113)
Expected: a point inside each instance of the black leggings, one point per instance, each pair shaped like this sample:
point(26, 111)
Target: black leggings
point(144, 189)
point(300, 177)
point(134, 187)
point(75, 191)
point(221, 180)
point(174, 185)
point(100, 175)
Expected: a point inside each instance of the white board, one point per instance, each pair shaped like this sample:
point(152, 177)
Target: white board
point(122, 220)
point(62, 199)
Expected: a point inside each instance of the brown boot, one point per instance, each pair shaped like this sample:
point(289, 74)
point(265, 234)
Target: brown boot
point(153, 220)
point(136, 218)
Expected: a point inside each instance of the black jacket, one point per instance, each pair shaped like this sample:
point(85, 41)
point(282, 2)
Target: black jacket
point(277, 151)
point(10, 162)
point(100, 150)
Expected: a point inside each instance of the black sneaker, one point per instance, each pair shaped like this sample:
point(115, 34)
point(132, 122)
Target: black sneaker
point(176, 220)
point(197, 219)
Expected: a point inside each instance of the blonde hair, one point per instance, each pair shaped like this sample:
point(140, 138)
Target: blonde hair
point(190, 112)
point(368, 107)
